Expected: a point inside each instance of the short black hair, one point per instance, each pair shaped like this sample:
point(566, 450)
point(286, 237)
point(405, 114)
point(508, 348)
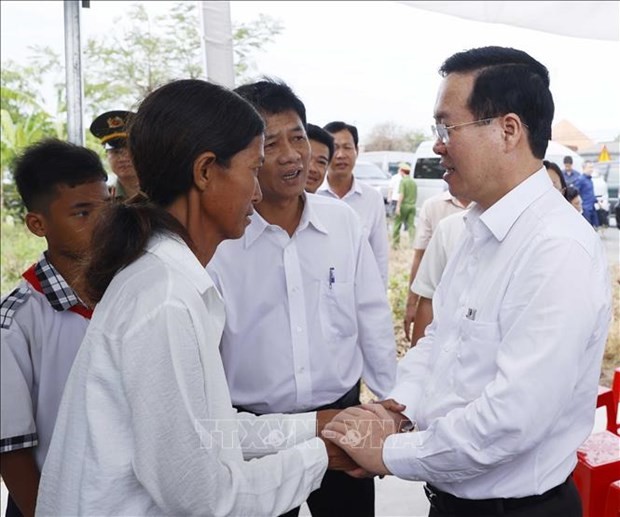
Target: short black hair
point(338, 125)
point(508, 81)
point(271, 97)
point(320, 135)
point(49, 163)
point(568, 159)
point(571, 193)
point(555, 168)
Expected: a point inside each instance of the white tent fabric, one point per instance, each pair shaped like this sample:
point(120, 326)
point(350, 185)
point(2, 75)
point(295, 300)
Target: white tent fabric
point(218, 42)
point(585, 19)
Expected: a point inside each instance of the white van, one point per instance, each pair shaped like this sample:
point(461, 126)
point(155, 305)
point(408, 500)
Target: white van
point(427, 173)
point(388, 161)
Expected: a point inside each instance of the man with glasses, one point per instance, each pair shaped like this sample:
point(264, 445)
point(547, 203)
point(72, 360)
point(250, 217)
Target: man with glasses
point(503, 385)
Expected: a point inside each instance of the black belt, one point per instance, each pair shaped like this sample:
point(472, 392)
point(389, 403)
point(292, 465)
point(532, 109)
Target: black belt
point(448, 503)
point(350, 398)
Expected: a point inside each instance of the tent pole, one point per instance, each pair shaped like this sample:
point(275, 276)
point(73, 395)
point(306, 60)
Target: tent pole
point(73, 70)
point(217, 42)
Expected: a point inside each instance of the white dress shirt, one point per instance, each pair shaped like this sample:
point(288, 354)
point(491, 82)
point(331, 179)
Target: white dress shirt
point(307, 315)
point(442, 243)
point(503, 386)
point(369, 206)
point(433, 210)
point(146, 425)
point(395, 186)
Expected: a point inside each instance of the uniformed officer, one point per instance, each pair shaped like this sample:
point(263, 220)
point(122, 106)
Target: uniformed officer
point(111, 128)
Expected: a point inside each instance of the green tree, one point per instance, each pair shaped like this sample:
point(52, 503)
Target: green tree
point(141, 52)
point(249, 38)
point(144, 51)
point(23, 119)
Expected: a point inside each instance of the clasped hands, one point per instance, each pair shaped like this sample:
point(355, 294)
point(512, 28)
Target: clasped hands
point(354, 436)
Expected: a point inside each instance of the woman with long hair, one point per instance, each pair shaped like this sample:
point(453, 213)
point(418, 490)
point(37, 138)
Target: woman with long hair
point(146, 425)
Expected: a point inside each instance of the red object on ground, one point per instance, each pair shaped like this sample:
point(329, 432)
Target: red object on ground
point(606, 397)
point(598, 465)
point(612, 508)
point(598, 458)
point(615, 388)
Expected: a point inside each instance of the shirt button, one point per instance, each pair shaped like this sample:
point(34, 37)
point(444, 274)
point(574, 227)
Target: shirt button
point(301, 370)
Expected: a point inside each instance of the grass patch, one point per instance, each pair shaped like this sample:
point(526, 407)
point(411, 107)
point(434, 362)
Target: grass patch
point(20, 249)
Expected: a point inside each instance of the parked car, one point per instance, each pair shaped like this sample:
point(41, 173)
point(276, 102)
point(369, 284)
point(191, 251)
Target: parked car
point(427, 173)
point(372, 175)
point(610, 172)
point(388, 161)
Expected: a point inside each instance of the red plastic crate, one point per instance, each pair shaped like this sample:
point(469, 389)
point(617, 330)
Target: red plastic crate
point(598, 465)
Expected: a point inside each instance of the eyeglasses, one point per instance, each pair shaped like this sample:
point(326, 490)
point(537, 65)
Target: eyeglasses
point(441, 131)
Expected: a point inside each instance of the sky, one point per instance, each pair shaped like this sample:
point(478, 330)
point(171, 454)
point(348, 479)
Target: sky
point(368, 62)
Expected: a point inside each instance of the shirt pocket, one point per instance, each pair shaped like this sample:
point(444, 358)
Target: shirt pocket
point(476, 356)
point(337, 310)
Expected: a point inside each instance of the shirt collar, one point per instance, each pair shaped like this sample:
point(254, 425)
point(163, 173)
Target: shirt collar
point(176, 254)
point(500, 217)
point(446, 196)
point(309, 217)
point(46, 279)
point(356, 188)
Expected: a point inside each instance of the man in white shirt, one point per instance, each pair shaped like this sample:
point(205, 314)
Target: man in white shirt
point(365, 200)
point(503, 386)
point(321, 153)
point(307, 315)
point(433, 210)
point(393, 192)
point(442, 244)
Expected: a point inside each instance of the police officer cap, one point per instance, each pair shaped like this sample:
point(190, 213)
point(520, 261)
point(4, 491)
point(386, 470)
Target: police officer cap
point(111, 128)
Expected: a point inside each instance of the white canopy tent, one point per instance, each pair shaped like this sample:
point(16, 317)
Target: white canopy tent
point(580, 19)
point(590, 19)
